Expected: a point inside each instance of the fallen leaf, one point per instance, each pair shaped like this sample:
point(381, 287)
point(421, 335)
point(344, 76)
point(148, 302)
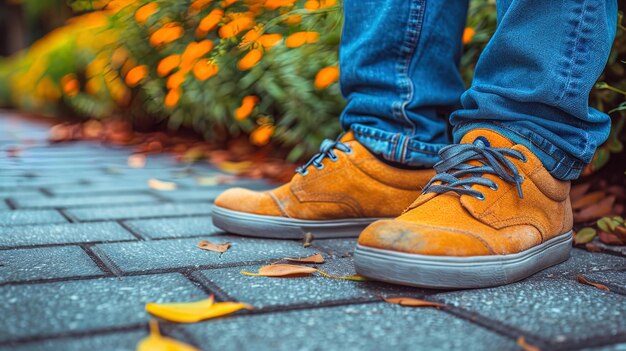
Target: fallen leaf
point(584, 280)
point(521, 342)
point(588, 199)
point(155, 341)
point(579, 190)
point(282, 270)
point(209, 246)
point(234, 167)
point(317, 258)
point(137, 161)
point(191, 312)
point(161, 185)
point(13, 151)
point(307, 240)
point(206, 181)
point(355, 277)
point(609, 238)
point(599, 209)
point(412, 302)
point(584, 235)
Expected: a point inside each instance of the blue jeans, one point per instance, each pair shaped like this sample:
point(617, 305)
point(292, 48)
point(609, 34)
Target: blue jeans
point(399, 63)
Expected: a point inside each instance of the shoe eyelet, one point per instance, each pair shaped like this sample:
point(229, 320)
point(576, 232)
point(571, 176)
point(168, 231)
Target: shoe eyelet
point(305, 172)
point(480, 197)
point(333, 158)
point(524, 158)
point(320, 167)
point(494, 187)
point(349, 152)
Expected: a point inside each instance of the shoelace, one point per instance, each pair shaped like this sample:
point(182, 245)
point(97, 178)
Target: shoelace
point(326, 150)
point(454, 165)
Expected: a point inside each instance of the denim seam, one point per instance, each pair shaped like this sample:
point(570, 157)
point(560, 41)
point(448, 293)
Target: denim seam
point(405, 142)
point(407, 49)
point(576, 40)
point(369, 135)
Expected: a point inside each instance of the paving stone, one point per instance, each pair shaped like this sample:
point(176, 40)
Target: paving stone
point(77, 201)
point(185, 195)
point(47, 234)
point(336, 247)
point(100, 188)
point(613, 249)
point(19, 217)
point(3, 205)
point(615, 347)
point(160, 228)
point(140, 211)
point(262, 292)
point(582, 261)
point(359, 327)
point(45, 263)
point(19, 192)
point(121, 341)
point(559, 310)
point(83, 305)
point(184, 253)
point(614, 280)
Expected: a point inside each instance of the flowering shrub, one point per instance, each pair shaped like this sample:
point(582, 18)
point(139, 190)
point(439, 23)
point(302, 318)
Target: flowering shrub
point(267, 68)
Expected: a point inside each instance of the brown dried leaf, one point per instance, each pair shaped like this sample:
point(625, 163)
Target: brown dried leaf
point(588, 199)
point(137, 161)
point(209, 246)
point(600, 209)
point(525, 345)
point(579, 190)
point(283, 270)
point(412, 302)
point(317, 258)
point(307, 240)
point(584, 280)
point(610, 238)
point(234, 167)
point(161, 185)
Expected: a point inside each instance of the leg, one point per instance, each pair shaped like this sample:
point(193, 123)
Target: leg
point(399, 74)
point(533, 80)
point(498, 209)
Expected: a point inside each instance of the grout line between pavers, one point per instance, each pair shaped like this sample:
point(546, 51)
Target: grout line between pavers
point(75, 334)
point(39, 246)
point(45, 192)
point(96, 254)
point(65, 215)
point(10, 204)
point(207, 285)
point(130, 230)
point(87, 248)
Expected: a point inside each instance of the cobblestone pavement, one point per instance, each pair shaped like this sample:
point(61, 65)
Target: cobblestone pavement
point(85, 243)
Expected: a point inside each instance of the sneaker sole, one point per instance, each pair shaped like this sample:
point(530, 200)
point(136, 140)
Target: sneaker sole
point(248, 224)
point(444, 272)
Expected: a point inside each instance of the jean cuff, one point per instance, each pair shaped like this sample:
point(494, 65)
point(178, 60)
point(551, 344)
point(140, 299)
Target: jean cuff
point(397, 147)
point(560, 164)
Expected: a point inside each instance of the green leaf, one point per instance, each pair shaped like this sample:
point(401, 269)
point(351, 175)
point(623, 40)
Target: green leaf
point(584, 235)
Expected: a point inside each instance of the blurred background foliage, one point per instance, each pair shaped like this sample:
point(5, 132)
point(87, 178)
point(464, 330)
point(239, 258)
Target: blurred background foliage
point(262, 68)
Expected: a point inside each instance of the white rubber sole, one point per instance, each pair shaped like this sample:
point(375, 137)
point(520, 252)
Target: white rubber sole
point(248, 224)
point(442, 272)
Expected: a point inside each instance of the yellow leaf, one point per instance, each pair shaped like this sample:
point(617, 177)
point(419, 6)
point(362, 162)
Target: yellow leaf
point(137, 161)
point(282, 270)
point(412, 302)
point(209, 246)
point(317, 258)
point(156, 342)
point(161, 185)
point(191, 312)
point(521, 342)
point(234, 167)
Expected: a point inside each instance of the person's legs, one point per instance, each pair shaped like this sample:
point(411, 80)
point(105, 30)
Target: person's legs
point(498, 209)
point(532, 81)
point(399, 62)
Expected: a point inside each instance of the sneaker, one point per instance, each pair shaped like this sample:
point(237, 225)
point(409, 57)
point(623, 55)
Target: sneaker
point(337, 193)
point(492, 215)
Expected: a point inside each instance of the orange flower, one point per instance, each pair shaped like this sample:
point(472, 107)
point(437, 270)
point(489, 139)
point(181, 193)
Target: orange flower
point(312, 5)
point(300, 38)
point(209, 22)
point(293, 19)
point(236, 26)
point(205, 69)
point(327, 3)
point(166, 34)
point(70, 84)
point(274, 4)
point(250, 59)
point(468, 34)
point(93, 86)
point(269, 40)
point(198, 5)
point(326, 76)
point(172, 97)
point(176, 80)
point(261, 136)
point(167, 64)
point(250, 37)
point(136, 75)
point(247, 105)
point(194, 51)
point(144, 12)
point(226, 3)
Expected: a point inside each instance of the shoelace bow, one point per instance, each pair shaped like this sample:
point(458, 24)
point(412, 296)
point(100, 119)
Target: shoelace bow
point(326, 150)
point(455, 174)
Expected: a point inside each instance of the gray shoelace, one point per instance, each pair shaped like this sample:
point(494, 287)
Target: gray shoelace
point(456, 175)
point(327, 149)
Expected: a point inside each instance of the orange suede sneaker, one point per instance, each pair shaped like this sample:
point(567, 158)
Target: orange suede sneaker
point(336, 194)
point(492, 215)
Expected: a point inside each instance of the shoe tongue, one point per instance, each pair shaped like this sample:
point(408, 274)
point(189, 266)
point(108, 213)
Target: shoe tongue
point(349, 136)
point(487, 137)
